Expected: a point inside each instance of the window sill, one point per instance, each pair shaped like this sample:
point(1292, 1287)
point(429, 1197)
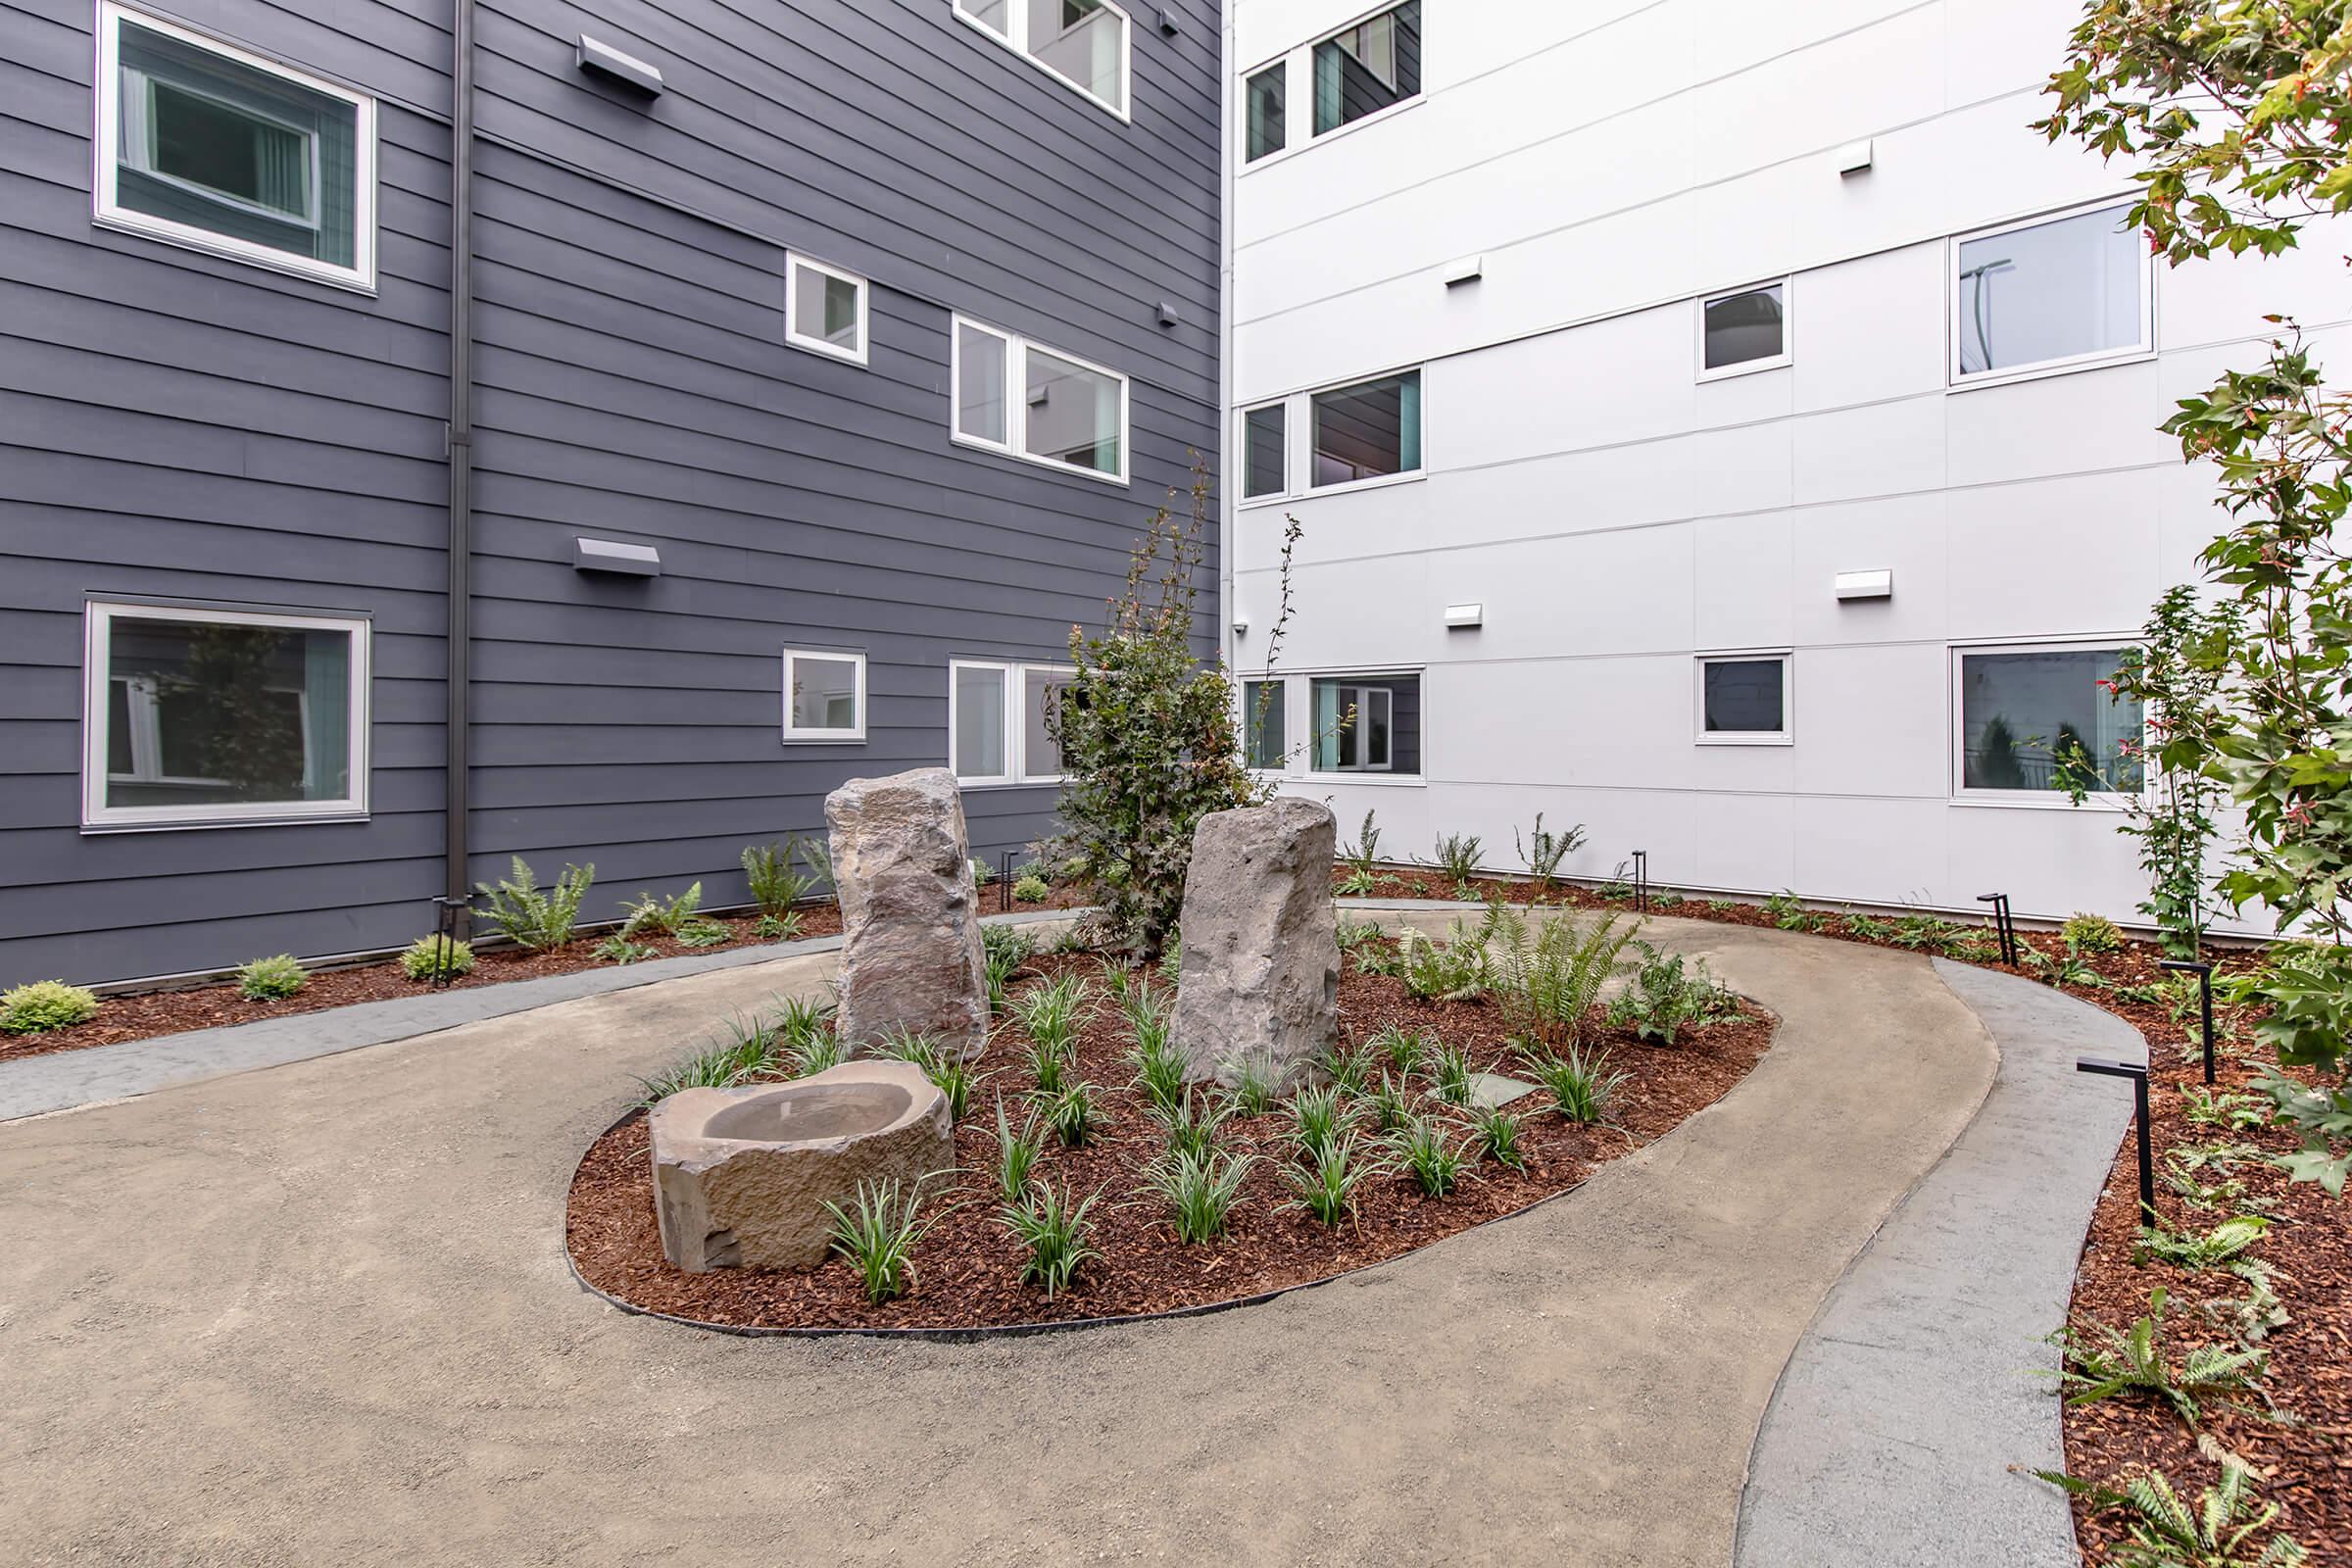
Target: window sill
point(1050, 464)
point(2047, 369)
point(297, 820)
point(844, 738)
point(1739, 740)
point(1383, 780)
point(1779, 362)
point(1285, 154)
point(1352, 487)
point(2040, 800)
point(1007, 783)
point(813, 345)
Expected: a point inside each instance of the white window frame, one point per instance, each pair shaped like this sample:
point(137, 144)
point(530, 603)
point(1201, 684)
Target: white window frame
point(97, 680)
point(1290, 752)
point(1957, 735)
point(1298, 455)
point(2144, 348)
point(1384, 775)
point(1015, 37)
point(1015, 674)
point(1785, 735)
point(1015, 393)
point(107, 211)
point(795, 734)
point(1780, 360)
point(794, 266)
point(1299, 65)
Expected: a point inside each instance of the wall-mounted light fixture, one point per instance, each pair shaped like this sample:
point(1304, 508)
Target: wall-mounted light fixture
point(1241, 626)
point(613, 556)
point(602, 60)
point(1865, 585)
point(1459, 618)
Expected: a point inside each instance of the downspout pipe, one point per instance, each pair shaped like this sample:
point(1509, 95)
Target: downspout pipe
point(458, 762)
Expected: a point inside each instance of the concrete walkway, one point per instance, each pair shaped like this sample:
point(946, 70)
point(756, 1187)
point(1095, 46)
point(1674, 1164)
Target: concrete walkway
point(320, 1314)
point(1890, 1437)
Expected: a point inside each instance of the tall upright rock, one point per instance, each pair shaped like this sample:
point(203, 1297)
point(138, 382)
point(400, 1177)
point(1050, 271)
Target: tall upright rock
point(909, 916)
point(1260, 977)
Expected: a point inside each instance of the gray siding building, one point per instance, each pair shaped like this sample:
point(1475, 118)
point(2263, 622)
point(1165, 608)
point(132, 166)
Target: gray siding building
point(881, 325)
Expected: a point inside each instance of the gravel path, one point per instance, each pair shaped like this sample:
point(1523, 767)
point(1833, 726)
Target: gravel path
point(321, 1313)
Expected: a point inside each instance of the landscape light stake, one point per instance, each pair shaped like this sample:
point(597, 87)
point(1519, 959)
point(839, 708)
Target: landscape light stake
point(1003, 881)
point(2140, 1090)
point(2006, 926)
point(2204, 974)
point(1642, 879)
point(450, 914)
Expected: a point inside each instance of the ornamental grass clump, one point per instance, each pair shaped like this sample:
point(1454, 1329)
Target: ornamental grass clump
point(1318, 1117)
point(878, 1233)
point(1053, 1014)
point(1192, 1128)
point(948, 1072)
point(431, 957)
point(1201, 1191)
point(1251, 1092)
point(1055, 1230)
point(1018, 1154)
point(1326, 1185)
point(45, 1004)
point(1450, 1071)
point(1003, 949)
point(1158, 1072)
point(1390, 1105)
point(534, 918)
point(1350, 1069)
point(270, 979)
point(1075, 1113)
point(1582, 1087)
point(747, 1051)
point(1494, 1134)
point(1435, 1160)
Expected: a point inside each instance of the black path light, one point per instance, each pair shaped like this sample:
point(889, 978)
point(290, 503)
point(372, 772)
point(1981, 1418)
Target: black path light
point(449, 921)
point(2204, 974)
point(2139, 1092)
point(1004, 881)
point(1642, 879)
point(2006, 926)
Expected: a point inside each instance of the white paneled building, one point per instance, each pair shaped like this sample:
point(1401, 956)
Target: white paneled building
point(1726, 426)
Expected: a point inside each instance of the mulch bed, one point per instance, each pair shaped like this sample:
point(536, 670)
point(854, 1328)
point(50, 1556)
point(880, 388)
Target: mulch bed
point(151, 1014)
point(967, 1270)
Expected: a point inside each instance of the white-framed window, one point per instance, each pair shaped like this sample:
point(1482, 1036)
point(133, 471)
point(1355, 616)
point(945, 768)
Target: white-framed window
point(997, 730)
point(1084, 44)
point(2056, 292)
point(1744, 329)
point(1362, 433)
point(1267, 723)
point(1367, 723)
point(2019, 709)
point(824, 309)
point(206, 717)
point(824, 695)
point(1349, 77)
point(203, 144)
point(1037, 404)
point(1744, 699)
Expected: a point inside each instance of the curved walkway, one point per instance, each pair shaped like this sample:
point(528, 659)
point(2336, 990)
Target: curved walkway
point(321, 1314)
point(1891, 1434)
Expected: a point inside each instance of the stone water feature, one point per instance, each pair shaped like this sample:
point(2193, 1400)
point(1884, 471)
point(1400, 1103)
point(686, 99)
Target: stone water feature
point(742, 1176)
point(1260, 977)
point(910, 915)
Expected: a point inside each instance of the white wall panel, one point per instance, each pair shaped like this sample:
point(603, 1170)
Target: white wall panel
point(1876, 449)
point(1870, 329)
point(1742, 586)
point(2056, 556)
point(2073, 423)
point(1872, 850)
point(1872, 720)
point(1901, 534)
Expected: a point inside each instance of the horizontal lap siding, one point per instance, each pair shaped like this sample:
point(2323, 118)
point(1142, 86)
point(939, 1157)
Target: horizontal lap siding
point(184, 425)
point(174, 425)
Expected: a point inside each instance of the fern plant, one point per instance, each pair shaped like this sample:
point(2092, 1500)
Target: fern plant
point(1667, 998)
point(272, 978)
point(1054, 1231)
point(775, 886)
point(2101, 1363)
point(2163, 1531)
point(2218, 1248)
point(1363, 858)
point(668, 918)
point(1457, 857)
point(1548, 983)
point(1452, 971)
point(620, 950)
point(431, 956)
point(534, 918)
point(1542, 852)
point(815, 852)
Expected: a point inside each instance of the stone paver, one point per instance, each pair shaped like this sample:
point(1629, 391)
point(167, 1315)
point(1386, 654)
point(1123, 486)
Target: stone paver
point(321, 1314)
point(1891, 1435)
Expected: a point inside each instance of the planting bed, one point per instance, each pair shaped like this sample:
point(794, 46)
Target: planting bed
point(148, 1014)
point(967, 1270)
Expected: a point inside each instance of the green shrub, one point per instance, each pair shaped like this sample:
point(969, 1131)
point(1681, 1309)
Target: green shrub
point(1031, 890)
point(1666, 998)
point(983, 873)
point(536, 919)
point(1054, 1231)
point(775, 886)
point(43, 1005)
point(429, 957)
point(878, 1234)
point(272, 978)
point(1199, 1192)
point(2092, 933)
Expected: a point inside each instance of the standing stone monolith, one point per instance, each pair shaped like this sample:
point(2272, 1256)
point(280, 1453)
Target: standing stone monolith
point(909, 918)
point(1260, 977)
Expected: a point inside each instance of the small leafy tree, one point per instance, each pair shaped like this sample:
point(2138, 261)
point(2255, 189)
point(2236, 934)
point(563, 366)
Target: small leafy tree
point(2239, 118)
point(1149, 738)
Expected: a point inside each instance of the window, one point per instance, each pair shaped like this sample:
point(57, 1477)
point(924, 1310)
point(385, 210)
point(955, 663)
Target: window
point(1084, 42)
point(1744, 699)
point(2021, 709)
point(1262, 96)
point(200, 716)
point(1743, 331)
point(1265, 724)
point(1367, 430)
point(1070, 414)
point(1367, 724)
point(992, 738)
point(205, 145)
point(1263, 460)
point(824, 309)
point(824, 696)
point(2058, 291)
point(1372, 66)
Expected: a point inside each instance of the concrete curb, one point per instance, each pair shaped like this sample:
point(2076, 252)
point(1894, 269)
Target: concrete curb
point(67, 1080)
point(1916, 1383)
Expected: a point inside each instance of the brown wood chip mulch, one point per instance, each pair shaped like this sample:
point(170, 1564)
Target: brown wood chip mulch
point(967, 1270)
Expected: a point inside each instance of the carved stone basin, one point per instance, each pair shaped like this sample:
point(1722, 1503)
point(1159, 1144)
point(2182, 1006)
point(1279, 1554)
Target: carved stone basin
point(742, 1176)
